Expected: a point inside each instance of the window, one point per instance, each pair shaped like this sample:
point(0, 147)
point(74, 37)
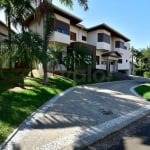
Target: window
point(103, 62)
point(83, 38)
point(62, 27)
point(119, 44)
point(72, 36)
point(97, 60)
point(112, 62)
point(120, 61)
point(103, 38)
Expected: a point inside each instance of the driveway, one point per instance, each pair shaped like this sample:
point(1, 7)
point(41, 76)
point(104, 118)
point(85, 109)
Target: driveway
point(66, 122)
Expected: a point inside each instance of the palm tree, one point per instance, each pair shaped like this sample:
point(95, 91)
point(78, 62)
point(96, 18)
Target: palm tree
point(22, 10)
point(55, 56)
point(3, 56)
point(29, 47)
point(7, 5)
point(69, 3)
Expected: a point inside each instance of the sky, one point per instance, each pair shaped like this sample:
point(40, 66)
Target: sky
point(129, 17)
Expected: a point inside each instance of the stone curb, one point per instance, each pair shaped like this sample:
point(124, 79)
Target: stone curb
point(81, 139)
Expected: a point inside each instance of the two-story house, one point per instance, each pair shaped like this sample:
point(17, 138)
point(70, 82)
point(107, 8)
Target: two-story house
point(111, 47)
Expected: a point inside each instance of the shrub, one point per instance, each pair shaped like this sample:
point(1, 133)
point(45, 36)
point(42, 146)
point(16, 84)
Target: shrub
point(146, 74)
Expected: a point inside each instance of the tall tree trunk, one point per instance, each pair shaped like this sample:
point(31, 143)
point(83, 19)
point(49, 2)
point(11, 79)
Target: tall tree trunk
point(132, 67)
point(1, 72)
point(9, 39)
point(45, 76)
point(31, 67)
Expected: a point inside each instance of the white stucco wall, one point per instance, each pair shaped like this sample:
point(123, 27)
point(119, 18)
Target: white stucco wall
point(92, 38)
point(100, 66)
point(79, 33)
point(62, 18)
point(60, 37)
point(125, 65)
point(103, 45)
point(36, 27)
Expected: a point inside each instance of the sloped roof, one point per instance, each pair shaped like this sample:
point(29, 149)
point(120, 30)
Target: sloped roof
point(111, 30)
point(112, 54)
point(73, 19)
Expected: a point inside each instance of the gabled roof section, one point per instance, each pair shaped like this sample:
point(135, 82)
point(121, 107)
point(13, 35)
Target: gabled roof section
point(111, 30)
point(3, 24)
point(73, 19)
point(112, 54)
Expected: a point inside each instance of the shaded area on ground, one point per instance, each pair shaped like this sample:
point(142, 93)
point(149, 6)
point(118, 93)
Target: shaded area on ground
point(135, 136)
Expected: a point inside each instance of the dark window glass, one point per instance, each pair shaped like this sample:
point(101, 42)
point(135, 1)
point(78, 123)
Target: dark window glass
point(83, 38)
point(112, 62)
point(103, 38)
point(97, 60)
point(72, 36)
point(103, 62)
point(119, 44)
point(62, 27)
point(120, 61)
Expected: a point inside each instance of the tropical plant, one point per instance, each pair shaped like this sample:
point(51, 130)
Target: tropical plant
point(78, 58)
point(4, 54)
point(55, 56)
point(29, 48)
point(21, 11)
point(146, 58)
point(7, 6)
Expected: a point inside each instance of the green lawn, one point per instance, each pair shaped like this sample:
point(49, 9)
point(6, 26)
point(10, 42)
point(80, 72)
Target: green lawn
point(17, 104)
point(144, 90)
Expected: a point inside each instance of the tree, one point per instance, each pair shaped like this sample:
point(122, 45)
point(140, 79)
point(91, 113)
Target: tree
point(7, 5)
point(55, 56)
point(79, 58)
point(21, 11)
point(29, 47)
point(146, 58)
point(69, 3)
point(4, 54)
point(134, 53)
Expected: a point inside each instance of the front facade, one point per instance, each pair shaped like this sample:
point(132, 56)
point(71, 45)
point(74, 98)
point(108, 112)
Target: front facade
point(112, 48)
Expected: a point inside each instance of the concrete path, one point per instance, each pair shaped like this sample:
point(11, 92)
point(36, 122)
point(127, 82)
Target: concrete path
point(79, 117)
point(139, 138)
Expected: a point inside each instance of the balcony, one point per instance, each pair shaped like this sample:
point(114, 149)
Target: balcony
point(60, 37)
point(103, 45)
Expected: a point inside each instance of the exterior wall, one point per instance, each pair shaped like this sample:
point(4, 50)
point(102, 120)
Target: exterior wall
point(125, 59)
point(79, 33)
point(92, 39)
point(62, 19)
point(35, 27)
point(60, 37)
point(100, 66)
